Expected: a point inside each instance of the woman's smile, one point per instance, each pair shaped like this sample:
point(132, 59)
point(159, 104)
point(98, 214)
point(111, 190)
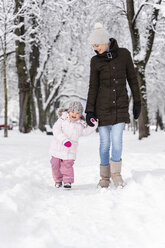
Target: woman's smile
point(100, 48)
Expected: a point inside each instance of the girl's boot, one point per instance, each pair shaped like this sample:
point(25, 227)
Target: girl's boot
point(105, 176)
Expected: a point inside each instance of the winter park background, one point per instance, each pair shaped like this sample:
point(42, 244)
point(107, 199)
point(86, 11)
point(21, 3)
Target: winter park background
point(44, 64)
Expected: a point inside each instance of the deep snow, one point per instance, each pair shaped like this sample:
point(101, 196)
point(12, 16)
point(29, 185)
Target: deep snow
point(34, 214)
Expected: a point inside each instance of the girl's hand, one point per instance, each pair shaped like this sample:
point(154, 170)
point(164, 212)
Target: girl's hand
point(93, 121)
point(68, 144)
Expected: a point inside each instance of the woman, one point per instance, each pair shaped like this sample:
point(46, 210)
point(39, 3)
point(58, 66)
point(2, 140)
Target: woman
point(108, 100)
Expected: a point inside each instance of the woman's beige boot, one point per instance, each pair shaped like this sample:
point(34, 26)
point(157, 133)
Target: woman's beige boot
point(115, 173)
point(105, 176)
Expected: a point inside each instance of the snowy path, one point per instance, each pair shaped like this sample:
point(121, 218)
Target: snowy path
point(33, 214)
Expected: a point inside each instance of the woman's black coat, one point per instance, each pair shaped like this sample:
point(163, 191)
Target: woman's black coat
point(107, 95)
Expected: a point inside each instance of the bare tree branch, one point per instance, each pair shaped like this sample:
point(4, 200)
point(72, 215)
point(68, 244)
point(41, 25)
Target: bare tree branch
point(138, 12)
point(9, 53)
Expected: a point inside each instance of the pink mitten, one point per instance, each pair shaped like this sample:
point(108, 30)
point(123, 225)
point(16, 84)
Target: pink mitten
point(68, 144)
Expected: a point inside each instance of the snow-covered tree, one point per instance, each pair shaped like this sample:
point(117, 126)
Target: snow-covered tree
point(142, 20)
point(53, 53)
point(155, 73)
point(7, 28)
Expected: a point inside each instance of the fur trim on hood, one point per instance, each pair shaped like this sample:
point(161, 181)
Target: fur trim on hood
point(60, 112)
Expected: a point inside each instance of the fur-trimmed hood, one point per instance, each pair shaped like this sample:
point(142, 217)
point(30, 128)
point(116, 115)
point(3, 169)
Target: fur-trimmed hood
point(62, 110)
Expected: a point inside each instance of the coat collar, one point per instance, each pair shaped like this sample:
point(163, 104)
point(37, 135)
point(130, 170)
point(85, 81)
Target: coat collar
point(113, 50)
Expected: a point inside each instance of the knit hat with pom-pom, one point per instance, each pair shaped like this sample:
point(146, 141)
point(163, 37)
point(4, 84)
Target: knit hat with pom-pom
point(99, 35)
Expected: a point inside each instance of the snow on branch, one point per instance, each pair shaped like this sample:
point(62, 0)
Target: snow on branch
point(46, 104)
point(155, 6)
point(43, 66)
point(8, 53)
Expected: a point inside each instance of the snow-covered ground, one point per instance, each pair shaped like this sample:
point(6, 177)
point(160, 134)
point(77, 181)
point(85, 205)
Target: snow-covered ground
point(33, 214)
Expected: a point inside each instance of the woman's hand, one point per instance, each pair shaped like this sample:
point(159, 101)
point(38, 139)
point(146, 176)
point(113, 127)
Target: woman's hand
point(90, 118)
point(136, 109)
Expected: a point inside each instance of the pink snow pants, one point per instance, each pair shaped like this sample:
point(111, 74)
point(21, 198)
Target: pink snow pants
point(62, 170)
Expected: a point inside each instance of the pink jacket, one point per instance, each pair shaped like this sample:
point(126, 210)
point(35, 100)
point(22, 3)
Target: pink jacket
point(66, 130)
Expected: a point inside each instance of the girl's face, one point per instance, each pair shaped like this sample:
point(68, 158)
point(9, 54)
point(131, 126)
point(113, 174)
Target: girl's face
point(100, 48)
point(74, 115)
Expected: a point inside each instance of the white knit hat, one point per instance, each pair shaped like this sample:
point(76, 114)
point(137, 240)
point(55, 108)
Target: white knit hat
point(99, 35)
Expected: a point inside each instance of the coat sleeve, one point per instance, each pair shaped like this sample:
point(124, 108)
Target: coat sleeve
point(88, 130)
point(57, 132)
point(131, 78)
point(93, 87)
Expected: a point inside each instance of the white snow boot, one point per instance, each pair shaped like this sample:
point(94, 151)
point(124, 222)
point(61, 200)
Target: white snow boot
point(58, 185)
point(67, 185)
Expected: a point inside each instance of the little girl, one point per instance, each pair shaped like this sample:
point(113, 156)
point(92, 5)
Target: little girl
point(67, 130)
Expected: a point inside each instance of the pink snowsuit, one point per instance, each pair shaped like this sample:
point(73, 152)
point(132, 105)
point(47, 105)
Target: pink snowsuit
point(63, 157)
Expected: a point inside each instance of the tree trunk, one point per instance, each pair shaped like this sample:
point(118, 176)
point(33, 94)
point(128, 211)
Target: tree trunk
point(34, 65)
point(143, 118)
point(141, 65)
point(5, 85)
point(34, 61)
point(135, 37)
point(36, 83)
point(42, 116)
point(23, 79)
point(33, 109)
point(159, 122)
point(32, 73)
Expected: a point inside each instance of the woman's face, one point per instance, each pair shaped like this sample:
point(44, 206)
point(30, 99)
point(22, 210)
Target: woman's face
point(100, 48)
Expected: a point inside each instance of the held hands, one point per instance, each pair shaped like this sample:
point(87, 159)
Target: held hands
point(67, 144)
point(136, 109)
point(90, 119)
